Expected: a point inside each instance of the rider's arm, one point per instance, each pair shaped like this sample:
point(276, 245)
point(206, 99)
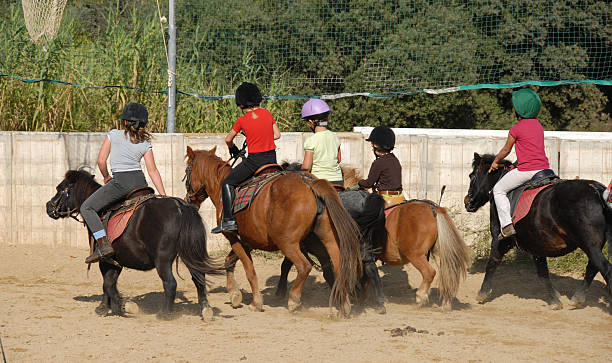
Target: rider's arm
point(276, 131)
point(229, 139)
point(153, 172)
point(504, 151)
point(307, 163)
point(339, 156)
point(102, 157)
point(373, 176)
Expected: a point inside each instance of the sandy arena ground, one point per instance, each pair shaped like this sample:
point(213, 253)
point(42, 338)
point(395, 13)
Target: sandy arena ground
point(47, 313)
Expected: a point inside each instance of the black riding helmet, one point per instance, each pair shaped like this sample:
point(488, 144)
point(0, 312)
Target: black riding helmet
point(383, 136)
point(248, 95)
point(137, 114)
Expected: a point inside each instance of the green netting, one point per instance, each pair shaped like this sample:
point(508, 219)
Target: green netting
point(315, 47)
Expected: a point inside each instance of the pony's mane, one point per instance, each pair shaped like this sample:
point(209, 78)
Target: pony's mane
point(350, 175)
point(487, 160)
point(84, 182)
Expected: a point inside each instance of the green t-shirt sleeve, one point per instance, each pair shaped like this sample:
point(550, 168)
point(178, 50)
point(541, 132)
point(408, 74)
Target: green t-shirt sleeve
point(309, 144)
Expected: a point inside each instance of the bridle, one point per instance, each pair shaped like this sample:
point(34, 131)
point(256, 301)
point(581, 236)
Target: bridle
point(201, 194)
point(197, 195)
point(62, 202)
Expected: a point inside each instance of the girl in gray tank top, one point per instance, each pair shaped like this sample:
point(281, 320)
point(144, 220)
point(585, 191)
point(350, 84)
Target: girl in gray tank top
point(126, 148)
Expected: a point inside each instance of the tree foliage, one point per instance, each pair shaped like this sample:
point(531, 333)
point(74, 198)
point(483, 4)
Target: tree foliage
point(313, 47)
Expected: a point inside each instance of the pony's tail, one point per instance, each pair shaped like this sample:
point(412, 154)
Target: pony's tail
point(453, 257)
point(191, 246)
point(348, 243)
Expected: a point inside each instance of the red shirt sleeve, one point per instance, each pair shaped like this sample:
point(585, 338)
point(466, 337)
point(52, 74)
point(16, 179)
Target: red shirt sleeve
point(237, 127)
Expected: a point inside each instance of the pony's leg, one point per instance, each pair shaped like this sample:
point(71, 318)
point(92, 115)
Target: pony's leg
point(542, 268)
point(111, 298)
point(232, 286)
point(249, 269)
point(427, 272)
point(371, 271)
point(498, 250)
point(281, 288)
point(579, 297)
point(303, 268)
point(206, 311)
point(164, 270)
point(597, 258)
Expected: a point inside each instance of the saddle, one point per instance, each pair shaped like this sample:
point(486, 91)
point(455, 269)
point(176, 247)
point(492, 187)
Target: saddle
point(248, 190)
point(522, 197)
point(116, 217)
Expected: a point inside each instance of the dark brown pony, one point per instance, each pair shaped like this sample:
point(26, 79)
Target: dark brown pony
point(567, 215)
point(414, 230)
point(159, 230)
point(283, 214)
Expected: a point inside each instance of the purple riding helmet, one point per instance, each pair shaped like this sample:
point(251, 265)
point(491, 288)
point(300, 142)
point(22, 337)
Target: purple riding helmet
point(316, 110)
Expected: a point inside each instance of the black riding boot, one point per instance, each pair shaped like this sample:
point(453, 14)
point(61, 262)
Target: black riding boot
point(228, 223)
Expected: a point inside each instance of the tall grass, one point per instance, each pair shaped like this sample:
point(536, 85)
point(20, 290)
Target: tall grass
point(121, 48)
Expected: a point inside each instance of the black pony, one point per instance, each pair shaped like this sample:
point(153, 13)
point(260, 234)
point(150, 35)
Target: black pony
point(367, 209)
point(159, 229)
point(569, 214)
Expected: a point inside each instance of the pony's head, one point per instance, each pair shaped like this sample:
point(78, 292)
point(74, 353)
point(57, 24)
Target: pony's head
point(481, 181)
point(202, 174)
point(76, 187)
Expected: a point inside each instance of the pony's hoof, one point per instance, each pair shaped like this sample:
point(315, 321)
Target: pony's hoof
point(556, 305)
point(380, 309)
point(422, 301)
point(256, 307)
point(281, 292)
point(236, 298)
point(102, 309)
point(578, 301)
point(447, 306)
point(346, 309)
point(483, 296)
point(293, 306)
point(207, 314)
point(131, 307)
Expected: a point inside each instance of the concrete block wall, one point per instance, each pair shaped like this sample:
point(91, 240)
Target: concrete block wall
point(32, 164)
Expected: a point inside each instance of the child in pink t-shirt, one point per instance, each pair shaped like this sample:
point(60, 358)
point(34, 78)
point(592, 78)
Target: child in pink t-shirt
point(528, 139)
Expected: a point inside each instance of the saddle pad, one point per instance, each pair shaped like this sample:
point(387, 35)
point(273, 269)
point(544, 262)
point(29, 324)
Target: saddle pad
point(524, 203)
point(117, 224)
point(247, 192)
point(116, 219)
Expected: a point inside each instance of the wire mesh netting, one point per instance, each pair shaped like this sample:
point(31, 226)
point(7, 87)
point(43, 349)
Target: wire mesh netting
point(317, 47)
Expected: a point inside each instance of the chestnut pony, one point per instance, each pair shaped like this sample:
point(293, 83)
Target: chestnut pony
point(415, 229)
point(281, 216)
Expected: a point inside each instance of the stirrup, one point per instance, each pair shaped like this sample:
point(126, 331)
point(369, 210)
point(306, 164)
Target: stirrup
point(225, 226)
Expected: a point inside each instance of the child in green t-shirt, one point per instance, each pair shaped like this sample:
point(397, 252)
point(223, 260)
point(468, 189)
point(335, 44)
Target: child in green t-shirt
point(321, 150)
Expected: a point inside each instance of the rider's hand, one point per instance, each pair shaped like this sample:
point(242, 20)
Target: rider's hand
point(234, 151)
point(494, 166)
point(107, 179)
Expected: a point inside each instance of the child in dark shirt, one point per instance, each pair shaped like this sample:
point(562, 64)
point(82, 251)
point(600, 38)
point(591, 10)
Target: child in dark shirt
point(385, 176)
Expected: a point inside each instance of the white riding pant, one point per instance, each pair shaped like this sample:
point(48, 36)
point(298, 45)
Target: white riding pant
point(513, 179)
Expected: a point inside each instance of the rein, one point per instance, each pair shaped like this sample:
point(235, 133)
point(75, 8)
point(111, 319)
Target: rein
point(201, 193)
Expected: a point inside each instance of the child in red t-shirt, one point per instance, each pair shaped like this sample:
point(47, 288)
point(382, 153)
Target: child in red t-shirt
point(528, 139)
point(260, 131)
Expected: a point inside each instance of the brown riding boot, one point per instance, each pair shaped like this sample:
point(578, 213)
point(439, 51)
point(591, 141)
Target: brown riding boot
point(103, 250)
point(507, 231)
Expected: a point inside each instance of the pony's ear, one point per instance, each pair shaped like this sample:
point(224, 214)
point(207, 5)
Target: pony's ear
point(190, 153)
point(213, 150)
point(476, 157)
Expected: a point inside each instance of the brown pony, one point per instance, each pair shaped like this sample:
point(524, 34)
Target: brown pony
point(283, 214)
point(414, 229)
